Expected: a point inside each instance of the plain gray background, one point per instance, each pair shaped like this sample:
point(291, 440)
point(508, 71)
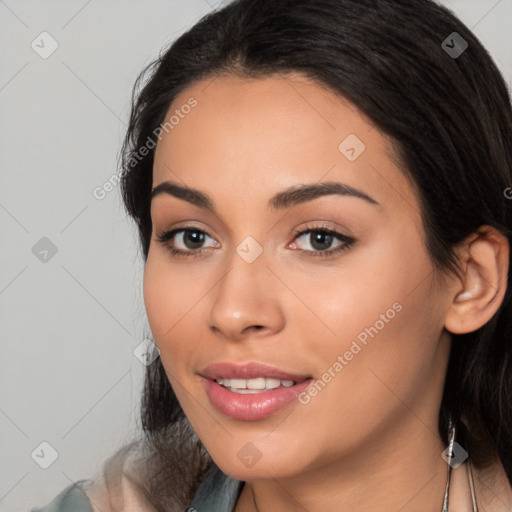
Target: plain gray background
point(70, 321)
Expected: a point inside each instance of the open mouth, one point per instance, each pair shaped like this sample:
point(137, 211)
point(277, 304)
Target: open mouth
point(245, 394)
point(251, 391)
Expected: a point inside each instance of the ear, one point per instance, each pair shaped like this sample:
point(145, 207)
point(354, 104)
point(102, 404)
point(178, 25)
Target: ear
point(478, 294)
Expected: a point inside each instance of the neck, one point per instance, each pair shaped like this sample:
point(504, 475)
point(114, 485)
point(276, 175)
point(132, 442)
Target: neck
point(402, 471)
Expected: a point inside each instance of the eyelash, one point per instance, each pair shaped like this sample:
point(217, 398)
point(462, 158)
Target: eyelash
point(167, 236)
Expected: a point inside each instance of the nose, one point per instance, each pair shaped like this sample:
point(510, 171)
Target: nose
point(245, 303)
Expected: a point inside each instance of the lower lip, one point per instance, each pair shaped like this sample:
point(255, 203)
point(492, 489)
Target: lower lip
point(252, 407)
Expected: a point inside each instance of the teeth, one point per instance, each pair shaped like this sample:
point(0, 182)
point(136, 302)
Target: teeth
point(239, 383)
point(258, 383)
point(272, 383)
point(253, 385)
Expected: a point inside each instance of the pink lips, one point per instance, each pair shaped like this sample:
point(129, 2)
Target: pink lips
point(250, 407)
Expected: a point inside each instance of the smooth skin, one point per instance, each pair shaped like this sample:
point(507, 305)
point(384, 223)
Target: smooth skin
point(369, 440)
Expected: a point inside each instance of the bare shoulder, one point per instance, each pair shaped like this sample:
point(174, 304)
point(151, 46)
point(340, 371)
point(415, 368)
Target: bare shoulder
point(492, 488)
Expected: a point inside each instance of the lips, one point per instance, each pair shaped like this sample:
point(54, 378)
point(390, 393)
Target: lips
point(237, 391)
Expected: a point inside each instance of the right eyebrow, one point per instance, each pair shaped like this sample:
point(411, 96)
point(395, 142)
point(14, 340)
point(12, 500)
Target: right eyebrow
point(188, 194)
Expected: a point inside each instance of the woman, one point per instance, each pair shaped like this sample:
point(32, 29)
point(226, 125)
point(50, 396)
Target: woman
point(321, 191)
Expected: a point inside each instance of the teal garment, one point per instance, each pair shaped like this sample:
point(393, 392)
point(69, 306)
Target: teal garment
point(71, 499)
point(216, 493)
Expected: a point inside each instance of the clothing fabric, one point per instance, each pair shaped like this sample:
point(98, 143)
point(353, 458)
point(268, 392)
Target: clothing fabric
point(216, 493)
point(71, 499)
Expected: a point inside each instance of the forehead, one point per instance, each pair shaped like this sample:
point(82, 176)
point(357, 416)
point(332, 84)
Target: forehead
point(257, 135)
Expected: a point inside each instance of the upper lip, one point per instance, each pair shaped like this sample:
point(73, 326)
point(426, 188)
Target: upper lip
point(227, 370)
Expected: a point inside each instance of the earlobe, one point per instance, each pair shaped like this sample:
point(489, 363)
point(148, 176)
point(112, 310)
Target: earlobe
point(483, 281)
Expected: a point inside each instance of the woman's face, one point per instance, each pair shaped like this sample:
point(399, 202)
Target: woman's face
point(307, 256)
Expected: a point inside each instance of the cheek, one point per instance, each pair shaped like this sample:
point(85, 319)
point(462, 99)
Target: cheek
point(352, 296)
point(168, 301)
point(377, 311)
point(159, 299)
point(176, 301)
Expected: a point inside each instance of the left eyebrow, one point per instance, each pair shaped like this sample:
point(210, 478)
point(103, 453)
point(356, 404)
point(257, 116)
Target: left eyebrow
point(287, 198)
point(303, 193)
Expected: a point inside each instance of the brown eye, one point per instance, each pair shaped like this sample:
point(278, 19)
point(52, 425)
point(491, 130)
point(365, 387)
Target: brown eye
point(193, 239)
point(322, 241)
point(186, 241)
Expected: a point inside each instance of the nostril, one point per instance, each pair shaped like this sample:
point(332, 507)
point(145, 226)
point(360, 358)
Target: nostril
point(255, 327)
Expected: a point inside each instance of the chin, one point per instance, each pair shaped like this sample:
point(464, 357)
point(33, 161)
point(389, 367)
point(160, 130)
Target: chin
point(249, 463)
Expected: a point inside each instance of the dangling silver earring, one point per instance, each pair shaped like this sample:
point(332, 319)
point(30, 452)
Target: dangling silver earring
point(451, 442)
